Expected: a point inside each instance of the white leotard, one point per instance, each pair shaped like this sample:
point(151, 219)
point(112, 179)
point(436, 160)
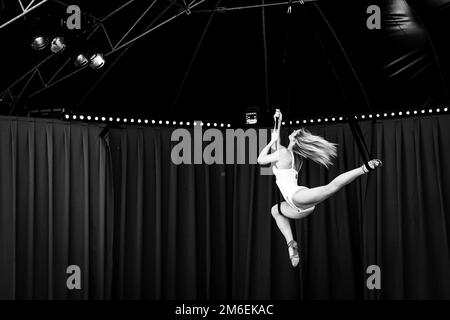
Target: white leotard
point(286, 180)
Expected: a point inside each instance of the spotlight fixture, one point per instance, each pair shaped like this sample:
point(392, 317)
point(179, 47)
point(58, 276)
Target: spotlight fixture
point(251, 116)
point(97, 61)
point(57, 45)
point(67, 116)
point(39, 42)
point(81, 60)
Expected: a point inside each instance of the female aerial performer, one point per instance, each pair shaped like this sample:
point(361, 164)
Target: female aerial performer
point(287, 162)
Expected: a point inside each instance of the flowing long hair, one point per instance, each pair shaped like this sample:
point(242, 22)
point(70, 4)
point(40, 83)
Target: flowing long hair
point(315, 148)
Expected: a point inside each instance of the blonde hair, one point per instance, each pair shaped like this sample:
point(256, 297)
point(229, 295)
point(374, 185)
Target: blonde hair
point(315, 148)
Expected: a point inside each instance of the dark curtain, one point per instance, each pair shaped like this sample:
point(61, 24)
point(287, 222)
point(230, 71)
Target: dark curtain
point(55, 210)
point(205, 231)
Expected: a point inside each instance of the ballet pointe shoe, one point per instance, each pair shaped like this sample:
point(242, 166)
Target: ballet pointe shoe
point(371, 165)
point(295, 258)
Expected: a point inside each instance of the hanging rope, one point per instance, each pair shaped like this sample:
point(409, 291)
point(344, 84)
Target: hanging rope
point(354, 125)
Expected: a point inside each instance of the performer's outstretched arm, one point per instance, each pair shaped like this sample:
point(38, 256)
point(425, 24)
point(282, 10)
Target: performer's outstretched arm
point(264, 157)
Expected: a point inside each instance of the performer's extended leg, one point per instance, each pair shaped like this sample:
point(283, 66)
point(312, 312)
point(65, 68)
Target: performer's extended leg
point(306, 197)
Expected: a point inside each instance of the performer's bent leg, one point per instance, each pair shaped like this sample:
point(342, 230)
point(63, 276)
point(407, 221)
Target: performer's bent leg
point(282, 222)
point(306, 197)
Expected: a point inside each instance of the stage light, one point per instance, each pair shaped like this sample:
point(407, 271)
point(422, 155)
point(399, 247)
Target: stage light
point(304, 121)
point(221, 125)
point(415, 111)
point(174, 123)
point(132, 120)
point(97, 61)
point(326, 119)
point(215, 124)
point(290, 122)
point(96, 118)
point(181, 123)
point(208, 124)
point(57, 45)
point(378, 115)
point(201, 123)
point(139, 121)
point(312, 121)
point(392, 114)
point(318, 120)
point(188, 123)
point(110, 119)
point(438, 110)
point(167, 122)
point(407, 113)
point(430, 111)
point(39, 42)
point(423, 111)
point(340, 118)
point(89, 117)
point(400, 113)
point(363, 116)
point(146, 121)
point(297, 122)
point(445, 109)
point(385, 115)
point(153, 121)
point(283, 123)
point(333, 119)
point(81, 117)
point(74, 117)
point(67, 116)
point(229, 125)
point(81, 60)
point(370, 116)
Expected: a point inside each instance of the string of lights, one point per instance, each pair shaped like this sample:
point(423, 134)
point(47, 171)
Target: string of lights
point(218, 124)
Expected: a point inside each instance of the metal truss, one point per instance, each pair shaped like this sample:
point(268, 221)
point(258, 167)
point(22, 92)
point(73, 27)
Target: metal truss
point(13, 95)
point(23, 10)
